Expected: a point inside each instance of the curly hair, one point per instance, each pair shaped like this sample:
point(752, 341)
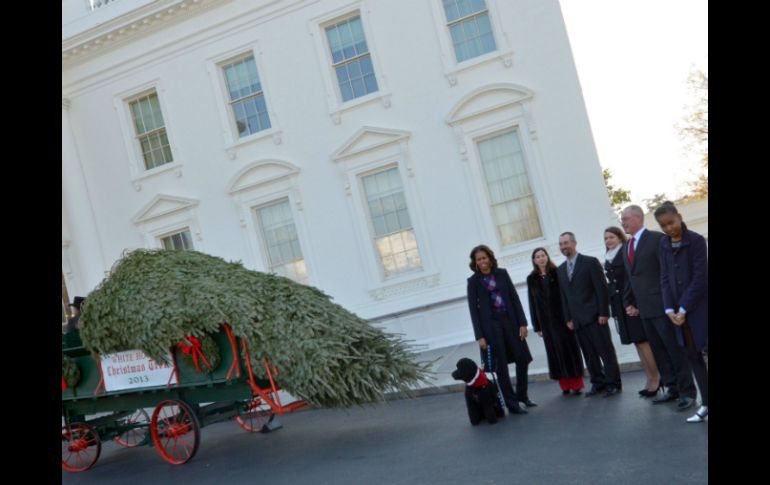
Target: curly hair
point(490, 255)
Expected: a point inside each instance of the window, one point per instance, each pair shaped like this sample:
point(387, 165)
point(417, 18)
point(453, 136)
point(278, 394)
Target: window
point(394, 236)
point(179, 241)
point(513, 203)
point(246, 98)
point(150, 130)
point(280, 236)
point(469, 26)
point(351, 59)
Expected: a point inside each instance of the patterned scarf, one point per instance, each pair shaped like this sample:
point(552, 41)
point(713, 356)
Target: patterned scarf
point(497, 297)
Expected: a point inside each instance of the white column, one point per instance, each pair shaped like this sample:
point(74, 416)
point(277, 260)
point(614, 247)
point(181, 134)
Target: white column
point(86, 260)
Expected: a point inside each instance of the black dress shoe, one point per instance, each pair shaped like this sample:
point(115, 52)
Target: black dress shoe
point(516, 410)
point(528, 402)
point(565, 392)
point(666, 397)
point(611, 391)
point(595, 389)
point(685, 403)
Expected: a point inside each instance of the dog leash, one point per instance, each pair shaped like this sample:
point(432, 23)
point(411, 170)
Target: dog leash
point(494, 378)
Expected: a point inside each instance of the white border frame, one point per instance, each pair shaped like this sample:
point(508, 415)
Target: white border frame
point(133, 150)
point(503, 53)
point(232, 142)
point(514, 113)
point(393, 151)
point(316, 28)
point(247, 198)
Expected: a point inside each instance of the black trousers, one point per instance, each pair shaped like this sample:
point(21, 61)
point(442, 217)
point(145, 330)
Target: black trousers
point(599, 352)
point(670, 357)
point(698, 364)
point(507, 336)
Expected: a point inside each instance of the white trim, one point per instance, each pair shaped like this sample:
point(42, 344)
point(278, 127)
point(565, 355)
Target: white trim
point(136, 163)
point(517, 94)
point(356, 158)
point(316, 29)
point(486, 112)
point(241, 180)
point(232, 142)
point(145, 214)
point(353, 146)
point(251, 190)
point(503, 53)
point(178, 46)
point(154, 223)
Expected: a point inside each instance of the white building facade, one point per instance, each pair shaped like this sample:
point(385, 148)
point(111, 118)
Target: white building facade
point(360, 147)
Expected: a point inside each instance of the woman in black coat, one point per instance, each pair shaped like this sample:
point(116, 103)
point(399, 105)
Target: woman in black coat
point(565, 364)
point(499, 321)
point(629, 328)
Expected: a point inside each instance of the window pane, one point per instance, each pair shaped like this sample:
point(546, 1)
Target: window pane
point(279, 233)
point(513, 204)
point(179, 241)
point(347, 41)
point(394, 237)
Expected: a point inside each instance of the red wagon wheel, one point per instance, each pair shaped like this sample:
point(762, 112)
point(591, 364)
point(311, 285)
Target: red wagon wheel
point(254, 415)
point(134, 436)
point(80, 447)
point(175, 431)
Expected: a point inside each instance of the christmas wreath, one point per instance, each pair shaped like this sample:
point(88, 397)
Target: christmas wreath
point(70, 373)
point(201, 353)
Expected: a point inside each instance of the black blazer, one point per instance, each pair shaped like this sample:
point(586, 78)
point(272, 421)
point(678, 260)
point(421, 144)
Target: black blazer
point(586, 297)
point(642, 288)
point(480, 303)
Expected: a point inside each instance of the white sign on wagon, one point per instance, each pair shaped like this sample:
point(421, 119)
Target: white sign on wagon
point(132, 369)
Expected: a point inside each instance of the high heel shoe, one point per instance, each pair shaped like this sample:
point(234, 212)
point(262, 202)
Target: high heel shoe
point(646, 393)
point(699, 416)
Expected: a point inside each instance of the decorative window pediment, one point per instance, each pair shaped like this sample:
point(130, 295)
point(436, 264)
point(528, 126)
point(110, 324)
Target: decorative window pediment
point(259, 173)
point(162, 205)
point(487, 99)
point(369, 138)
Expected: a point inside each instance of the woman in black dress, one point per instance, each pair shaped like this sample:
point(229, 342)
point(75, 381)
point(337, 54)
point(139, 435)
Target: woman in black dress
point(565, 363)
point(629, 328)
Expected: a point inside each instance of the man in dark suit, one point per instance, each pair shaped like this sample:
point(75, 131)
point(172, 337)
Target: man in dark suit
point(585, 298)
point(642, 296)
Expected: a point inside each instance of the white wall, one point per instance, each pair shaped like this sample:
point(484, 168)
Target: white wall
point(412, 67)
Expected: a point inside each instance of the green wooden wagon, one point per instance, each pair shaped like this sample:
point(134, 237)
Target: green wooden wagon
point(180, 409)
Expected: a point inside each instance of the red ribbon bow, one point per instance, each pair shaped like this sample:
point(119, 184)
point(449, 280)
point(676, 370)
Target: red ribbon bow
point(194, 349)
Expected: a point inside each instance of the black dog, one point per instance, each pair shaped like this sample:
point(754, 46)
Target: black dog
point(480, 394)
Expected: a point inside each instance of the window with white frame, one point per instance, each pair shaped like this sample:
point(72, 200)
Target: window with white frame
point(351, 59)
point(514, 209)
point(392, 227)
point(246, 97)
point(180, 241)
point(470, 28)
point(280, 236)
point(150, 130)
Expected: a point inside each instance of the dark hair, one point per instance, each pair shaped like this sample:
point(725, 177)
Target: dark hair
point(549, 266)
point(666, 207)
point(490, 255)
point(618, 232)
point(570, 234)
